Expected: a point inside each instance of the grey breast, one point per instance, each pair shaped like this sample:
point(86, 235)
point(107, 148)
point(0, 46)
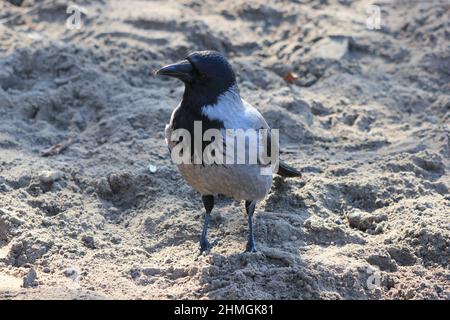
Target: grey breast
point(238, 181)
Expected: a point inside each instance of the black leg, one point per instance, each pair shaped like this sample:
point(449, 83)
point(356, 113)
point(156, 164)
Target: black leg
point(250, 208)
point(208, 202)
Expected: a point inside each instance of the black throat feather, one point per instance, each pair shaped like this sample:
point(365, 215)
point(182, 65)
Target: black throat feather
point(189, 111)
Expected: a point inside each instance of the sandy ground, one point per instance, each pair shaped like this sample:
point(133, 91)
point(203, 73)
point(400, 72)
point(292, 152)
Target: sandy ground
point(366, 118)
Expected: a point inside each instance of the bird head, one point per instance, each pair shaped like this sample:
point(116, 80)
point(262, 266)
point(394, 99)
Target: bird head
point(206, 75)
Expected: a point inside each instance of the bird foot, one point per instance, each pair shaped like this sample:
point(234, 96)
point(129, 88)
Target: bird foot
point(206, 246)
point(251, 247)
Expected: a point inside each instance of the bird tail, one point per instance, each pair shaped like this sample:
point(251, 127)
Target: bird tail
point(287, 171)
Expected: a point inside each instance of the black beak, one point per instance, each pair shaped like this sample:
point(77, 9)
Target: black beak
point(181, 70)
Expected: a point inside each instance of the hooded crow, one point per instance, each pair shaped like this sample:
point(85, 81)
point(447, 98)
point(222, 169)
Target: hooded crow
point(211, 98)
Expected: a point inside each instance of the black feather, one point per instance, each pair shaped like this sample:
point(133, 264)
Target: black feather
point(287, 171)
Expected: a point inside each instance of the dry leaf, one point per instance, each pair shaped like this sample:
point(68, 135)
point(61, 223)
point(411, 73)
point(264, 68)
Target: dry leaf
point(56, 148)
point(290, 77)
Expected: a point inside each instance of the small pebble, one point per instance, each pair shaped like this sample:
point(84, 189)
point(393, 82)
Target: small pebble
point(50, 176)
point(70, 272)
point(152, 168)
point(30, 279)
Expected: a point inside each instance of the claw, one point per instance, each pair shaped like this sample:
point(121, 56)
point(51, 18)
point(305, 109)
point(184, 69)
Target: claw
point(251, 247)
point(206, 246)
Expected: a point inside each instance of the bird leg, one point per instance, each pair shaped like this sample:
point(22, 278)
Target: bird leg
point(208, 202)
point(250, 208)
